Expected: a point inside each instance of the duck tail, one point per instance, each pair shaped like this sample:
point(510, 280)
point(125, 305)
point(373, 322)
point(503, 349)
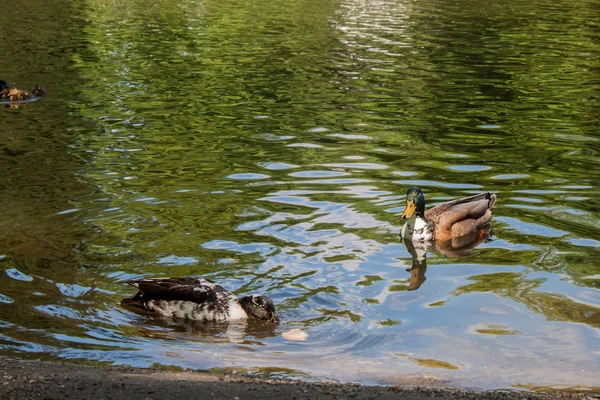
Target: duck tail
point(492, 202)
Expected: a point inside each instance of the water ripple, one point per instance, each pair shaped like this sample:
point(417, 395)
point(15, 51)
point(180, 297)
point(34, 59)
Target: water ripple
point(269, 146)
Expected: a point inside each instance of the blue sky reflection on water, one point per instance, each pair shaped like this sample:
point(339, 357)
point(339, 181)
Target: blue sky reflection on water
point(269, 147)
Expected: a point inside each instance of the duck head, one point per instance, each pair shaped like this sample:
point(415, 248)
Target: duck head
point(259, 306)
point(38, 90)
point(415, 202)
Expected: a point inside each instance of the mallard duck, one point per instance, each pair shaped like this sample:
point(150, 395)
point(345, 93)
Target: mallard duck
point(446, 221)
point(18, 95)
point(38, 90)
point(198, 299)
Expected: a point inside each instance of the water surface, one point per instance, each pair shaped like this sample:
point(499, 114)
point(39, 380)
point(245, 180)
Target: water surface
point(269, 146)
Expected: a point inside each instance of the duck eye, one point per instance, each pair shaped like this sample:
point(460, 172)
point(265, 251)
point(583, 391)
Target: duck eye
point(263, 306)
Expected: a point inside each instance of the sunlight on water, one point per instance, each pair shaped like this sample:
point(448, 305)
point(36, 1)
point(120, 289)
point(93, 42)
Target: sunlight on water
point(269, 147)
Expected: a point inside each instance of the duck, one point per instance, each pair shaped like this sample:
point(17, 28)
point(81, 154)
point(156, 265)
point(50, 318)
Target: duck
point(38, 91)
point(446, 221)
point(4, 90)
point(18, 95)
point(198, 299)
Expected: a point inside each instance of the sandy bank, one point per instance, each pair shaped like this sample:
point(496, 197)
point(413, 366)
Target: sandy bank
point(50, 380)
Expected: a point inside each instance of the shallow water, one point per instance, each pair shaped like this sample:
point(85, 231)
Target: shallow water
point(269, 146)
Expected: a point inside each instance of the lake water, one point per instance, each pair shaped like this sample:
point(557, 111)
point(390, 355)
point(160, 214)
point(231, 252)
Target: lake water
point(269, 146)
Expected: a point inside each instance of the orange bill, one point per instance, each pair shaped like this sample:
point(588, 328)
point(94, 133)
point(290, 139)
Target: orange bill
point(409, 210)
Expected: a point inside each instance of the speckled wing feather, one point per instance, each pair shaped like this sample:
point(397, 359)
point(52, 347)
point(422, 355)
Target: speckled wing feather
point(189, 298)
point(196, 290)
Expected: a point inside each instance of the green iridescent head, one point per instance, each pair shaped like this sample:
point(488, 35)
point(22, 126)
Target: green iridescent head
point(415, 203)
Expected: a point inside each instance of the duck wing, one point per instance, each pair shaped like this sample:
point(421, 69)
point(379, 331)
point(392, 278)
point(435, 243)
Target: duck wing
point(197, 290)
point(459, 217)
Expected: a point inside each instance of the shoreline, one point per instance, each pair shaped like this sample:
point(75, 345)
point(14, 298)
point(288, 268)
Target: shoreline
point(27, 379)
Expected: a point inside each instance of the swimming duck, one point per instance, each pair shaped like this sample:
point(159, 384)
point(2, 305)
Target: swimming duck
point(18, 95)
point(38, 90)
point(4, 90)
point(198, 299)
point(448, 220)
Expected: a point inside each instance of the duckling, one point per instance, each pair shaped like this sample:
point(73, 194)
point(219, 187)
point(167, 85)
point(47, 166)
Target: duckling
point(198, 299)
point(38, 91)
point(18, 95)
point(448, 220)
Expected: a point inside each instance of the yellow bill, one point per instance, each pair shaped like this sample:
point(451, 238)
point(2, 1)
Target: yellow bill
point(409, 210)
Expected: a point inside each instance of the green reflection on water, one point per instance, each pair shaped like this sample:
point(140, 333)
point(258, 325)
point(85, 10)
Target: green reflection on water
point(269, 145)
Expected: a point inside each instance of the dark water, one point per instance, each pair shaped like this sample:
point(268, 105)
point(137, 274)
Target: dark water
point(269, 146)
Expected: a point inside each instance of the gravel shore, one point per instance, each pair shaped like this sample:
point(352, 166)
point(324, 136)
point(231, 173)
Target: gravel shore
point(51, 380)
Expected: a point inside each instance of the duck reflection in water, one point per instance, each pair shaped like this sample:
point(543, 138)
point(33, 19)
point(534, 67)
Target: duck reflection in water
point(455, 247)
point(249, 331)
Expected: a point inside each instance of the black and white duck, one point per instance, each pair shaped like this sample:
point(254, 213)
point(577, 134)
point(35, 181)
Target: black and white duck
point(198, 299)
